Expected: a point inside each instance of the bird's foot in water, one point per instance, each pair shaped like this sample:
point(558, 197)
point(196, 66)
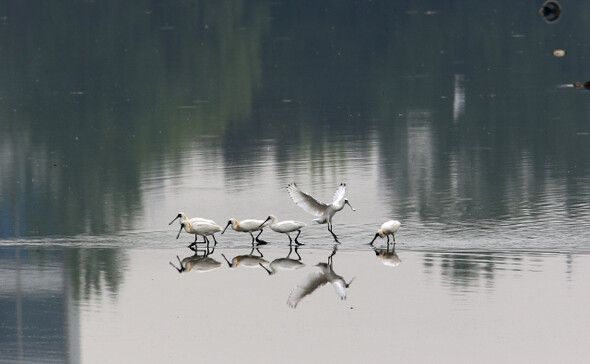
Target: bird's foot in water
point(260, 242)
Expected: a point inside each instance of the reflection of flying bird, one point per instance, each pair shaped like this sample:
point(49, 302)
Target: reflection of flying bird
point(198, 263)
point(199, 228)
point(247, 226)
point(388, 258)
point(284, 263)
point(325, 274)
point(388, 228)
point(285, 227)
point(323, 211)
point(248, 261)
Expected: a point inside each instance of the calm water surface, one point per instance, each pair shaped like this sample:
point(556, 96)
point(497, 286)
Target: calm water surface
point(457, 121)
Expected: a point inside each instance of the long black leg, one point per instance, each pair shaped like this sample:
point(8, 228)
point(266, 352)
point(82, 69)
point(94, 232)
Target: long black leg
point(260, 241)
point(296, 241)
point(215, 240)
point(331, 232)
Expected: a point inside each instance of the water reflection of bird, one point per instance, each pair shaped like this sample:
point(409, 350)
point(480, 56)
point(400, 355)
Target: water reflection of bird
point(388, 228)
point(199, 228)
point(325, 274)
point(285, 227)
point(388, 258)
point(200, 263)
point(247, 260)
point(286, 263)
point(323, 211)
point(247, 226)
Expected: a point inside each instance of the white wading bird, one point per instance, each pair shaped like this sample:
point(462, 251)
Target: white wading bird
point(248, 260)
point(313, 281)
point(388, 228)
point(247, 226)
point(285, 227)
point(192, 220)
point(323, 211)
point(199, 228)
point(183, 217)
point(284, 263)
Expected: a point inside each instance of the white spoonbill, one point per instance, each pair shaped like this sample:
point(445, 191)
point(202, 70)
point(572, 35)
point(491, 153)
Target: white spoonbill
point(285, 227)
point(183, 217)
point(388, 228)
point(323, 211)
point(247, 226)
point(313, 281)
point(286, 263)
point(199, 228)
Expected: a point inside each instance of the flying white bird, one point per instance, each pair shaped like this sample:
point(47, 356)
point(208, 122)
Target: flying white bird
point(388, 228)
point(325, 274)
point(199, 228)
point(323, 211)
point(285, 227)
point(247, 226)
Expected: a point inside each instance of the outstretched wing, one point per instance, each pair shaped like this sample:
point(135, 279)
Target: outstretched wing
point(305, 288)
point(305, 201)
point(339, 194)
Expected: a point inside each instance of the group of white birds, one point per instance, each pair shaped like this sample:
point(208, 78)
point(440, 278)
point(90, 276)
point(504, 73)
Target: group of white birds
point(323, 212)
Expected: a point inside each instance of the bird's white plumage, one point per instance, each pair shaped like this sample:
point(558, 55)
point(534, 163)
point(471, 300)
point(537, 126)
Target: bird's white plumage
point(182, 216)
point(199, 228)
point(339, 194)
point(305, 201)
point(324, 212)
point(247, 226)
point(389, 227)
point(287, 226)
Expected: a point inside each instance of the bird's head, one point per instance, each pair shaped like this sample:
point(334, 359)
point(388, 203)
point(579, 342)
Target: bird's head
point(348, 203)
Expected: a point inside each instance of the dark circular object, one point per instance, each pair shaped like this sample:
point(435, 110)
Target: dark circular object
point(550, 11)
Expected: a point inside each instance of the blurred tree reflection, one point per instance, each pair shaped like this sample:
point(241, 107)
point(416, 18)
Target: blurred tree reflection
point(93, 91)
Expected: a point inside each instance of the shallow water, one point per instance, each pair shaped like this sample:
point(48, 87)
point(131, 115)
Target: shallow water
point(453, 306)
point(453, 121)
